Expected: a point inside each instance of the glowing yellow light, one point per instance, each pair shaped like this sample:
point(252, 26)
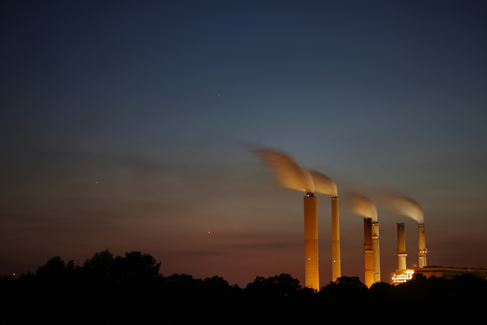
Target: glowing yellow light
point(403, 277)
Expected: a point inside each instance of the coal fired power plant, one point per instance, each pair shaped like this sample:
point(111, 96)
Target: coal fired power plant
point(410, 208)
point(324, 185)
point(362, 206)
point(402, 274)
point(290, 175)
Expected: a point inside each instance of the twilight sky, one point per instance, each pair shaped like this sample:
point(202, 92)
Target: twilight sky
point(126, 126)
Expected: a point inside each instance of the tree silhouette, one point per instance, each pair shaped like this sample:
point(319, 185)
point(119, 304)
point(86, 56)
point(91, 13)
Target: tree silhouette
point(278, 285)
point(129, 289)
point(345, 291)
point(56, 274)
point(101, 267)
point(348, 282)
point(136, 268)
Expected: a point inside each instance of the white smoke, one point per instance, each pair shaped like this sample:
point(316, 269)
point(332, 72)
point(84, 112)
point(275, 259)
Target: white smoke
point(400, 204)
point(287, 171)
point(360, 205)
point(324, 184)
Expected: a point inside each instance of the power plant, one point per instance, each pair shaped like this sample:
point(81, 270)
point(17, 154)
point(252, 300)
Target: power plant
point(362, 206)
point(290, 175)
point(324, 185)
point(403, 274)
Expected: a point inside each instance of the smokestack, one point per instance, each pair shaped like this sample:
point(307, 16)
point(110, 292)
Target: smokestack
point(421, 246)
point(362, 206)
point(376, 249)
point(336, 268)
point(401, 247)
point(323, 184)
point(290, 175)
point(368, 252)
point(311, 260)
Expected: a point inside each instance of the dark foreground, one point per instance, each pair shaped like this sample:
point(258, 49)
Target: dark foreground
point(130, 290)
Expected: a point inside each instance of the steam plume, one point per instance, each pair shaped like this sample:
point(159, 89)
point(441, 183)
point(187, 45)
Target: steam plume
point(360, 205)
point(324, 184)
point(287, 171)
point(402, 205)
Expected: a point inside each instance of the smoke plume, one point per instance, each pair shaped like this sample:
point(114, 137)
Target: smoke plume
point(401, 204)
point(287, 172)
point(360, 205)
point(324, 184)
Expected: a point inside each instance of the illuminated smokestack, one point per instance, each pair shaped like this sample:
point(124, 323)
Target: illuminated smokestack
point(336, 268)
point(311, 260)
point(290, 175)
point(323, 184)
point(401, 247)
point(362, 206)
point(368, 253)
point(421, 246)
point(376, 249)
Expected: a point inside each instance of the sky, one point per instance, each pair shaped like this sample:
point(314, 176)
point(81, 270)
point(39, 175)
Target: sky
point(127, 126)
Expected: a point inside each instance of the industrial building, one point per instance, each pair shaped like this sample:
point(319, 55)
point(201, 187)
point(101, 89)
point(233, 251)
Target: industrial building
point(449, 272)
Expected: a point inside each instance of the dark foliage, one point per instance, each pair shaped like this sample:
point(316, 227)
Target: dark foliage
point(130, 290)
point(276, 286)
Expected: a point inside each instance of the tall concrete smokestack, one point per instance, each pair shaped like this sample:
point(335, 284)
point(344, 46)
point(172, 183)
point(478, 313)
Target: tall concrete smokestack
point(401, 247)
point(421, 246)
point(290, 175)
point(323, 184)
point(311, 260)
point(362, 206)
point(336, 268)
point(376, 249)
point(368, 253)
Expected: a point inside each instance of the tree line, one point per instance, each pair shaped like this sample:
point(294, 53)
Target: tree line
point(130, 289)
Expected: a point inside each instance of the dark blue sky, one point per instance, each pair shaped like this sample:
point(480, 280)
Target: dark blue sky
point(124, 126)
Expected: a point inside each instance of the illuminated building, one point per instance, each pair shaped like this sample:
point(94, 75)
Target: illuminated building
point(449, 272)
point(402, 276)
